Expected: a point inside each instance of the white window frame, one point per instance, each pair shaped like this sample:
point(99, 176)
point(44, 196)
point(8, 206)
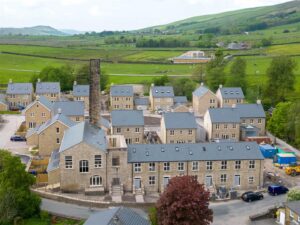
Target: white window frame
point(209, 165)
point(251, 180)
point(151, 180)
point(98, 161)
point(167, 166)
point(223, 178)
point(137, 167)
point(152, 167)
point(68, 162)
point(195, 166)
point(238, 164)
point(224, 165)
point(83, 166)
point(251, 164)
point(96, 181)
point(180, 166)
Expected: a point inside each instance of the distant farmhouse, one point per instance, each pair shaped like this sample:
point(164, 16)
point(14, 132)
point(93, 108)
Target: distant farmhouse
point(191, 57)
point(238, 46)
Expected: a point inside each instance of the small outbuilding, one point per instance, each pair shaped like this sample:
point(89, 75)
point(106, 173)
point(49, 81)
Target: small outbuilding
point(285, 159)
point(268, 151)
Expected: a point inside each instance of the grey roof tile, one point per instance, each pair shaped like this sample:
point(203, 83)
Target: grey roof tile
point(69, 108)
point(127, 118)
point(180, 100)
point(200, 91)
point(47, 87)
point(141, 101)
point(84, 132)
point(19, 88)
point(192, 152)
point(42, 100)
point(177, 120)
point(53, 161)
point(121, 90)
point(294, 206)
point(232, 92)
point(125, 216)
point(81, 90)
point(105, 122)
point(2, 99)
point(251, 110)
point(162, 91)
point(224, 115)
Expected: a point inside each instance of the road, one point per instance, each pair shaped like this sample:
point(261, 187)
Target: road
point(234, 212)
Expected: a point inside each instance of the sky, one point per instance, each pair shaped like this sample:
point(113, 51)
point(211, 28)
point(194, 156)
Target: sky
point(99, 15)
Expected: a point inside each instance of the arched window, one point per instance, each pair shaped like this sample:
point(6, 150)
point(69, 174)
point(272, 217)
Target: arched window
point(95, 181)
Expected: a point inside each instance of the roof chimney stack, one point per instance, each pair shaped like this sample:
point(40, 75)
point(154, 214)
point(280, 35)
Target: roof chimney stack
point(95, 92)
point(258, 102)
point(220, 86)
point(75, 82)
point(59, 111)
point(10, 81)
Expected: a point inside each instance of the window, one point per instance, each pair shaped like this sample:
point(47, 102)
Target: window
point(171, 132)
point(190, 132)
point(209, 165)
point(98, 161)
point(43, 114)
point(137, 167)
point(233, 135)
point(250, 180)
point(234, 125)
point(32, 114)
point(137, 130)
point(217, 126)
point(57, 130)
point(238, 164)
point(151, 180)
point(259, 121)
point(57, 141)
point(225, 126)
point(180, 166)
point(77, 119)
point(83, 166)
point(166, 166)
point(212, 101)
point(223, 165)
point(116, 161)
point(195, 166)
point(251, 164)
point(244, 121)
point(251, 121)
point(118, 130)
point(152, 167)
point(137, 140)
point(128, 141)
point(95, 181)
point(32, 124)
point(223, 178)
point(68, 162)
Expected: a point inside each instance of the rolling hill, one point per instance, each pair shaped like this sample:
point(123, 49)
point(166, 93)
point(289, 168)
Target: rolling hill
point(236, 21)
point(32, 31)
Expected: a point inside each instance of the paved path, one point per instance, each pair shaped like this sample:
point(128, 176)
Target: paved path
point(234, 212)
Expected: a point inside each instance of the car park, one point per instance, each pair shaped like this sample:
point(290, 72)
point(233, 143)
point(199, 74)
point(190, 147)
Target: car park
point(277, 190)
point(17, 138)
point(252, 196)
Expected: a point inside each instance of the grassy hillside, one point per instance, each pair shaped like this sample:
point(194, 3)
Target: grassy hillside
point(240, 20)
point(37, 30)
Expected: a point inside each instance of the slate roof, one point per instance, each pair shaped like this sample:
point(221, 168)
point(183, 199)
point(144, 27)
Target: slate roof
point(19, 88)
point(84, 132)
point(200, 91)
point(224, 115)
point(81, 90)
point(69, 108)
point(32, 131)
point(42, 100)
point(251, 110)
point(194, 152)
point(53, 161)
point(2, 99)
point(105, 122)
point(47, 87)
point(294, 206)
point(121, 90)
point(141, 101)
point(177, 120)
point(162, 91)
point(124, 216)
point(127, 118)
point(232, 92)
point(180, 100)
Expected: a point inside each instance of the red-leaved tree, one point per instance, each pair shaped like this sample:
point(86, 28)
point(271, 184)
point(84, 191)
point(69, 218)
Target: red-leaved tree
point(184, 202)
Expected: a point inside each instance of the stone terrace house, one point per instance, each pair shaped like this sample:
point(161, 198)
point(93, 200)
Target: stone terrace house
point(161, 97)
point(49, 135)
point(81, 93)
point(203, 99)
point(292, 213)
point(228, 96)
point(130, 124)
point(38, 112)
point(50, 90)
point(19, 95)
point(121, 97)
point(3, 103)
point(72, 109)
point(178, 127)
point(116, 216)
point(222, 123)
point(237, 164)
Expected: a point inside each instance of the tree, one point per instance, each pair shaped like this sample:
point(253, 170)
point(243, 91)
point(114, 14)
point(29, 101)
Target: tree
point(16, 199)
point(153, 216)
point(161, 81)
point(198, 73)
point(238, 74)
point(281, 79)
point(293, 195)
point(183, 87)
point(184, 201)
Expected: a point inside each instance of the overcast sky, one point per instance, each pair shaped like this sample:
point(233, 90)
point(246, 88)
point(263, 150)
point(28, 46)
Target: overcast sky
point(101, 15)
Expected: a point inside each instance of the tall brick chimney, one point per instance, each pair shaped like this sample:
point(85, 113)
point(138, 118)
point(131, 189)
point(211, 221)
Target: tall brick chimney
point(95, 92)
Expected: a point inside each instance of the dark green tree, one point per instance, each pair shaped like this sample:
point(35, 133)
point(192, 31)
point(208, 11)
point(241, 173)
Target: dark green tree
point(281, 79)
point(215, 74)
point(183, 87)
point(198, 74)
point(161, 81)
point(16, 199)
point(237, 76)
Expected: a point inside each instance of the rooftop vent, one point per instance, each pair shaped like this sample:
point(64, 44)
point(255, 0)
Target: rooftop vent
point(147, 153)
point(177, 149)
point(191, 153)
point(162, 149)
point(231, 148)
point(204, 148)
point(247, 147)
point(134, 150)
point(219, 148)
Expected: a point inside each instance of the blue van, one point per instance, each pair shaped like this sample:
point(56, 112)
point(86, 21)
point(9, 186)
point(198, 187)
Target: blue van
point(277, 190)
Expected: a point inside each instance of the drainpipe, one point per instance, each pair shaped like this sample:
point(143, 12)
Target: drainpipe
point(158, 178)
point(106, 172)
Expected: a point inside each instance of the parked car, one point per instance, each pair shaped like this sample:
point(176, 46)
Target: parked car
point(252, 196)
point(17, 138)
point(277, 189)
